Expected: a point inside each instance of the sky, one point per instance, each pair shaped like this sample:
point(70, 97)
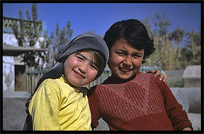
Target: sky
point(98, 17)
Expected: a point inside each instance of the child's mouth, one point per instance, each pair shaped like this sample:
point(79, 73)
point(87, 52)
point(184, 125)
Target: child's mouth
point(79, 74)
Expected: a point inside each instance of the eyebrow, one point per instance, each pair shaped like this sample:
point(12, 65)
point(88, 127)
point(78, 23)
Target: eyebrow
point(122, 50)
point(86, 58)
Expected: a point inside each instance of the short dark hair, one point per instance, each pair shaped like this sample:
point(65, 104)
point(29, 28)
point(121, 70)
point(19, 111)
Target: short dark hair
point(134, 32)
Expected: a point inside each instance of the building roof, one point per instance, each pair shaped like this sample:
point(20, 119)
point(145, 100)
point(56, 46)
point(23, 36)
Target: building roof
point(15, 51)
point(9, 21)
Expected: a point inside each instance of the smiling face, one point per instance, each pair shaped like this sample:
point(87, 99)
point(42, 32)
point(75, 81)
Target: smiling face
point(125, 61)
point(80, 68)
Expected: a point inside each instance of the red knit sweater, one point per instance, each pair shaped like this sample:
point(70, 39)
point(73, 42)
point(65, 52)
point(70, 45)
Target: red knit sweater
point(144, 103)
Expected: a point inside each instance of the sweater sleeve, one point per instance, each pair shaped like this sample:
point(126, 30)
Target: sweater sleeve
point(94, 107)
point(44, 108)
point(175, 112)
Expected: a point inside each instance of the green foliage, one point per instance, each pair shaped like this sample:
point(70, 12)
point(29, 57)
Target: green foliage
point(168, 45)
point(56, 42)
point(27, 32)
point(192, 49)
point(161, 24)
point(60, 39)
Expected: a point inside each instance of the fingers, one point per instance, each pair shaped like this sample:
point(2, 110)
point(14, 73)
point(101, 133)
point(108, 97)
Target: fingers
point(157, 73)
point(162, 77)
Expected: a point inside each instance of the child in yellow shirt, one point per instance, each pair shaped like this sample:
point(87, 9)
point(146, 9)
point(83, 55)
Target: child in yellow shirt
point(60, 101)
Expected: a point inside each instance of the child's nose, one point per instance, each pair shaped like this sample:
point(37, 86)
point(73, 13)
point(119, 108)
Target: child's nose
point(127, 62)
point(83, 67)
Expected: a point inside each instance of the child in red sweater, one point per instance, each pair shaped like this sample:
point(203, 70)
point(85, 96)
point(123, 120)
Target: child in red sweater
point(129, 99)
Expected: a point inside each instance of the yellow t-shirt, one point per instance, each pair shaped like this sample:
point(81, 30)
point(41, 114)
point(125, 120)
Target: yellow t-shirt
point(58, 106)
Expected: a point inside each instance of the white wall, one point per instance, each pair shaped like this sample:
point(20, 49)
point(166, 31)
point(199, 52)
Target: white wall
point(9, 62)
point(8, 74)
point(9, 39)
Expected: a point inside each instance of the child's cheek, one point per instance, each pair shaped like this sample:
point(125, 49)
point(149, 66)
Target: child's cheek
point(75, 62)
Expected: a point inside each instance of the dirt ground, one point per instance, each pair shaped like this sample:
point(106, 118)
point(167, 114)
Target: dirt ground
point(14, 116)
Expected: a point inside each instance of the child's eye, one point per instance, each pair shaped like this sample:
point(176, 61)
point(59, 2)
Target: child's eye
point(94, 67)
point(80, 57)
point(136, 56)
point(120, 53)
